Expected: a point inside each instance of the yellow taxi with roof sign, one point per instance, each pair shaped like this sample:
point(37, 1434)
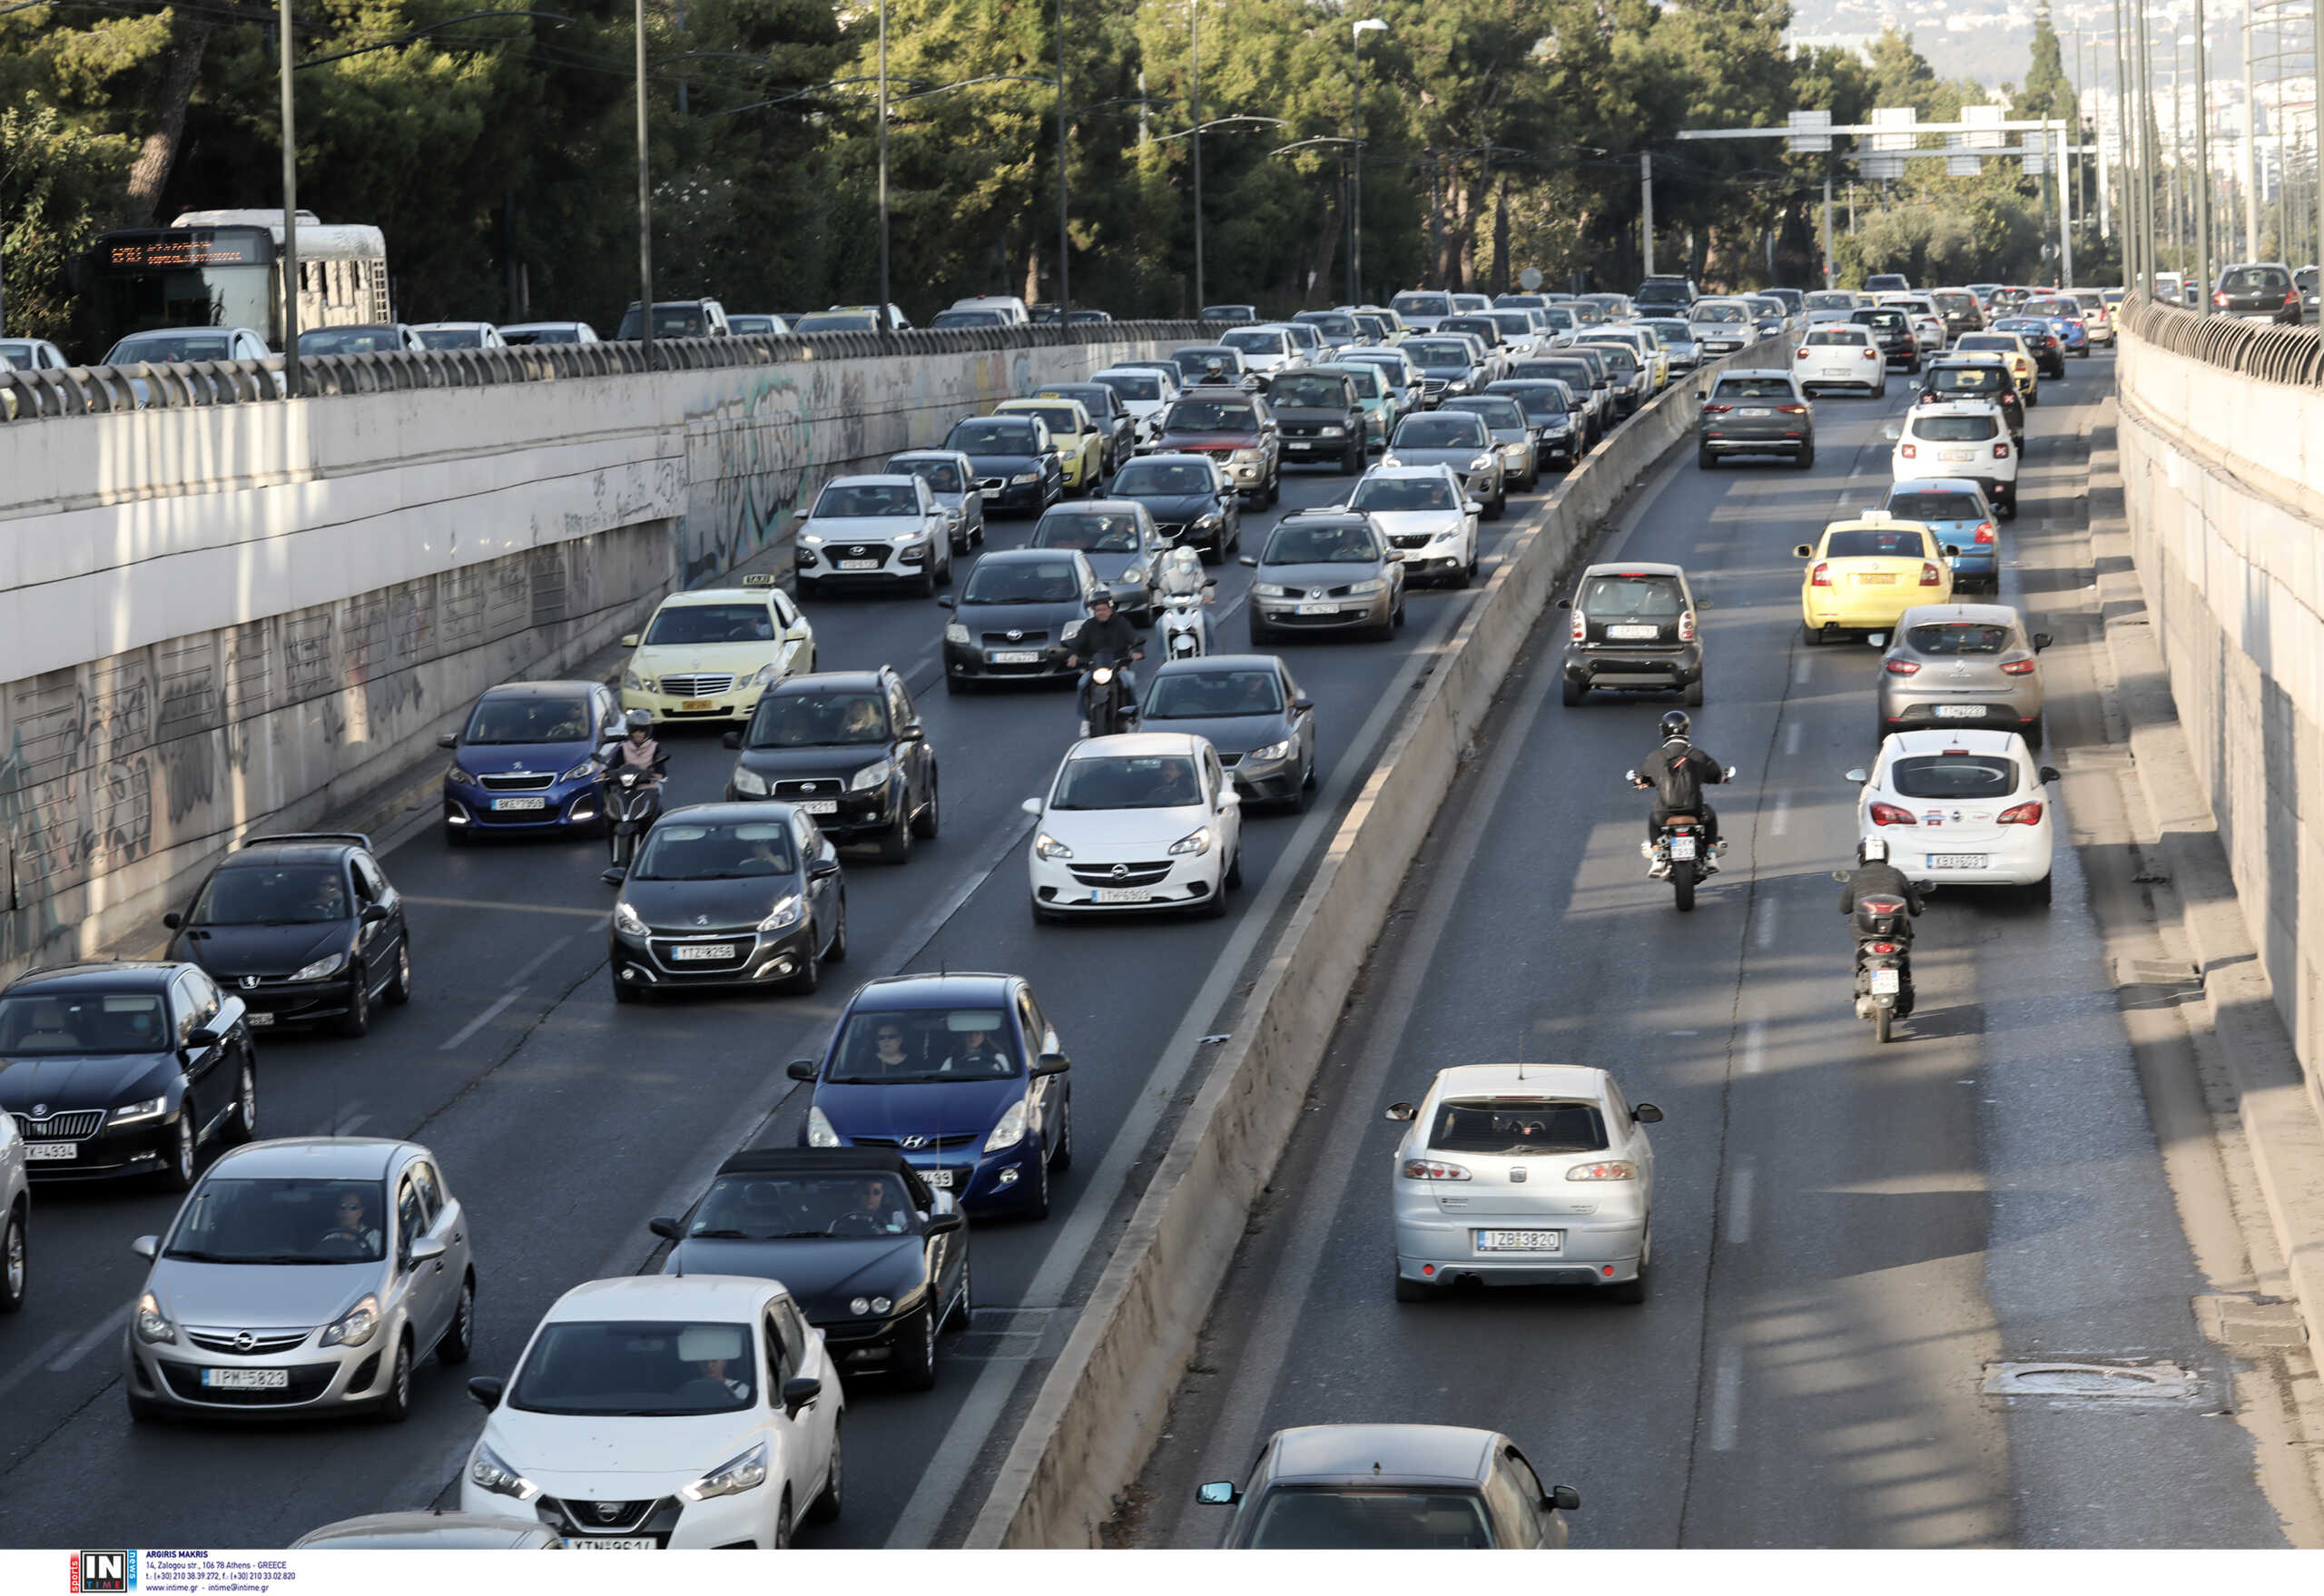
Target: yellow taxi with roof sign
point(1080, 445)
point(706, 655)
point(1862, 574)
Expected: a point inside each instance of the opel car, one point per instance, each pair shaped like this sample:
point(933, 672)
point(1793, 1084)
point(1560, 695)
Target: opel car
point(1968, 664)
point(1863, 574)
point(1136, 821)
point(707, 655)
point(525, 762)
point(879, 532)
point(1961, 808)
point(1327, 570)
point(847, 747)
point(1427, 519)
point(724, 895)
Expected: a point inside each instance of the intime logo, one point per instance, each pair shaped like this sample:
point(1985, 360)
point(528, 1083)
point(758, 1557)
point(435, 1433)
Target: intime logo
point(101, 1572)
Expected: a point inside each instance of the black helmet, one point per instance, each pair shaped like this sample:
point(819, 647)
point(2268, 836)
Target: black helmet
point(638, 720)
point(1676, 726)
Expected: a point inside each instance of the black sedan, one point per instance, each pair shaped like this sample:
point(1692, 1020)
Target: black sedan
point(877, 1261)
point(1191, 499)
point(1019, 608)
point(1017, 466)
point(1253, 712)
point(115, 1069)
point(303, 927)
point(848, 748)
point(729, 895)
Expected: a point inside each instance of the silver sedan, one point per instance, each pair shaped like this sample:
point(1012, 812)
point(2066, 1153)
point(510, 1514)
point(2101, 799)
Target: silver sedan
point(1962, 665)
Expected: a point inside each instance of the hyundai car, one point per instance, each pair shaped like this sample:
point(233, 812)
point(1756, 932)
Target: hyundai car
point(880, 532)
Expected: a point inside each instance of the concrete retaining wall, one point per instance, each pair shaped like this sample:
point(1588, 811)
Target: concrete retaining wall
point(1102, 1405)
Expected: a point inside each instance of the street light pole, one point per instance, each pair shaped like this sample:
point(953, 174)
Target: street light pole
point(1064, 272)
point(2202, 163)
point(289, 215)
point(1194, 16)
point(644, 204)
point(884, 312)
point(1355, 161)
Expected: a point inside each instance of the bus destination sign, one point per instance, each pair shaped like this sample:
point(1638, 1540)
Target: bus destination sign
point(185, 247)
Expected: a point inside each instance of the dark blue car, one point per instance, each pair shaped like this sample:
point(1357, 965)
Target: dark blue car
point(958, 1073)
point(527, 761)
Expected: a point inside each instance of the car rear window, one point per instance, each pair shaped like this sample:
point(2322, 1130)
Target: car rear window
point(1211, 416)
point(1514, 1126)
point(1894, 543)
point(1371, 1518)
point(1963, 639)
point(1953, 428)
point(2253, 278)
point(1752, 387)
point(1613, 596)
point(1838, 337)
point(1311, 392)
point(1966, 379)
point(1934, 507)
point(1954, 775)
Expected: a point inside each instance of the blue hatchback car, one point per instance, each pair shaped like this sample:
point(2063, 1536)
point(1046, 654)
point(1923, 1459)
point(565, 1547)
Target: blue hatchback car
point(962, 1074)
point(526, 764)
point(1957, 511)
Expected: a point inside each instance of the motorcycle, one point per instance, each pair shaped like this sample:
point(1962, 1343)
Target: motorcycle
point(1106, 690)
point(1679, 854)
point(1883, 960)
point(633, 806)
point(1186, 625)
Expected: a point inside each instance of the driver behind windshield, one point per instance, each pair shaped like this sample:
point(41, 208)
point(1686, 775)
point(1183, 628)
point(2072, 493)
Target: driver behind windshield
point(354, 1234)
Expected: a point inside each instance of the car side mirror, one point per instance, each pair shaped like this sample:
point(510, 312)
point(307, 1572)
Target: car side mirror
point(1892, 432)
point(1219, 1493)
point(1647, 1114)
point(1031, 806)
point(447, 740)
point(800, 1069)
point(200, 1036)
point(1876, 639)
point(821, 869)
point(486, 1390)
point(424, 1249)
point(801, 515)
point(798, 1391)
point(148, 1247)
point(1839, 875)
point(1702, 393)
point(945, 1224)
point(914, 733)
point(372, 914)
point(1303, 705)
point(2049, 773)
point(944, 604)
point(173, 920)
point(1563, 1498)
point(1248, 560)
point(1857, 776)
point(1400, 1112)
point(1051, 1064)
point(2041, 641)
point(667, 1228)
point(629, 639)
point(1802, 551)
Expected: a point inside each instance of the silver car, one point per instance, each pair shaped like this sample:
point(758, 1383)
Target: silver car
point(1460, 441)
point(1523, 1175)
point(1393, 1487)
point(1962, 665)
point(304, 1277)
point(1325, 570)
point(953, 480)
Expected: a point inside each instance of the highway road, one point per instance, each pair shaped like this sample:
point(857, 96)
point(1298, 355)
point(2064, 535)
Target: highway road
point(564, 1123)
point(1848, 1239)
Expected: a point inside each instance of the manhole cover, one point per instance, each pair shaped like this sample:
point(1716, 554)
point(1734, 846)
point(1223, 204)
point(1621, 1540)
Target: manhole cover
point(2103, 1381)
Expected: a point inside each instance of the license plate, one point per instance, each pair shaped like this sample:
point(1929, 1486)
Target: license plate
point(1954, 455)
point(1960, 712)
point(697, 704)
point(508, 803)
point(1956, 862)
point(690, 952)
point(610, 1543)
point(861, 564)
point(1648, 632)
point(1015, 656)
point(819, 805)
point(1298, 446)
point(1682, 847)
point(1520, 1241)
point(1885, 983)
point(941, 1179)
point(1120, 895)
point(1878, 580)
point(246, 1379)
point(1749, 412)
point(258, 1017)
point(52, 1152)
point(990, 492)
point(1318, 609)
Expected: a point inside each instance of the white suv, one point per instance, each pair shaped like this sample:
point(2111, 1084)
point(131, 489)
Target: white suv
point(1966, 438)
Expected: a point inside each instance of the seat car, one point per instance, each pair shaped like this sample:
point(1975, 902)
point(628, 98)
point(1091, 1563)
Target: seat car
point(1462, 440)
point(303, 926)
point(1975, 375)
point(1328, 571)
point(1017, 466)
point(1957, 511)
point(16, 1218)
point(1427, 516)
point(1721, 327)
point(1117, 427)
point(525, 762)
point(1145, 391)
point(116, 1070)
point(1864, 573)
point(1321, 418)
point(304, 1278)
point(1961, 808)
point(431, 1530)
point(1754, 413)
point(1251, 712)
point(1375, 397)
point(2264, 291)
point(383, 338)
point(1523, 1175)
point(2012, 349)
point(952, 478)
point(962, 1074)
point(746, 894)
point(1235, 428)
point(1450, 364)
point(874, 1258)
point(1189, 498)
point(651, 1412)
point(883, 531)
point(459, 335)
point(1136, 821)
point(847, 747)
point(1965, 437)
point(1122, 544)
point(1553, 414)
point(1389, 1488)
point(1632, 629)
point(708, 654)
point(1019, 608)
point(1962, 665)
point(1081, 447)
point(1512, 434)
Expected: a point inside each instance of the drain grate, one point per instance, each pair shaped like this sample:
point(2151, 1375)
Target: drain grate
point(2080, 1381)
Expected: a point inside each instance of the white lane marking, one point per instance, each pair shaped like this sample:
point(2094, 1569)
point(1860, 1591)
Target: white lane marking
point(1800, 676)
point(109, 1326)
point(1791, 736)
point(350, 1125)
point(1755, 1039)
point(1725, 1399)
point(1763, 935)
point(1782, 821)
point(481, 1020)
point(536, 962)
point(1738, 1205)
point(35, 1362)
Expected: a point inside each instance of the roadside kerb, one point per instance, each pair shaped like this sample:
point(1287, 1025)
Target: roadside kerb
point(1101, 1406)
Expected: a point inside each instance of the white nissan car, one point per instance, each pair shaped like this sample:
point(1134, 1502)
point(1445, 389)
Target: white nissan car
point(1840, 355)
point(1137, 821)
point(1961, 808)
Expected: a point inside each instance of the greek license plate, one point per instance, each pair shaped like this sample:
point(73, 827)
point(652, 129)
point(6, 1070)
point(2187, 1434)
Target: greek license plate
point(990, 492)
point(1956, 862)
point(697, 704)
point(1120, 895)
point(258, 1017)
point(1955, 454)
point(692, 952)
point(610, 1543)
point(819, 805)
point(1682, 847)
point(52, 1152)
point(1318, 609)
point(1520, 1241)
point(1876, 579)
point(1648, 632)
point(1960, 712)
point(1885, 983)
point(1753, 413)
point(1016, 657)
point(861, 564)
point(508, 803)
point(941, 1179)
point(246, 1379)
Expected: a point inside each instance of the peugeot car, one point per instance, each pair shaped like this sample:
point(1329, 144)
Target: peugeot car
point(728, 895)
point(526, 761)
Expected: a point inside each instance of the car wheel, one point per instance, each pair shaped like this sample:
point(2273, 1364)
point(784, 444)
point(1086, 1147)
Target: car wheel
point(825, 1507)
point(963, 1310)
point(1235, 868)
point(396, 1407)
point(895, 843)
point(1569, 691)
point(1704, 459)
point(1260, 635)
point(916, 1352)
point(837, 952)
point(807, 589)
point(1813, 637)
point(1807, 458)
point(811, 970)
point(400, 988)
point(1062, 1155)
point(1692, 694)
point(16, 1265)
point(459, 1341)
point(242, 1119)
point(1274, 488)
point(956, 685)
point(183, 1155)
point(924, 823)
point(1039, 1209)
point(1351, 462)
point(1211, 555)
point(357, 1020)
point(1500, 506)
point(2006, 510)
point(145, 1412)
point(2033, 397)
point(1043, 914)
point(926, 586)
point(456, 836)
point(1214, 906)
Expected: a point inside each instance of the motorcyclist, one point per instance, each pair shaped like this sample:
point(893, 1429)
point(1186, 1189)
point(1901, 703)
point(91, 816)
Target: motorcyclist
point(1875, 877)
point(1104, 636)
point(1679, 772)
point(1182, 574)
point(640, 749)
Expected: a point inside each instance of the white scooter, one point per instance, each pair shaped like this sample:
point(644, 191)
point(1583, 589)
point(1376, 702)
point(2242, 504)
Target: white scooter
point(1186, 594)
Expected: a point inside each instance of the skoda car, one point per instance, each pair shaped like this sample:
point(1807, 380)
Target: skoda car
point(1863, 574)
point(1462, 440)
point(876, 1258)
point(526, 761)
point(707, 655)
point(1962, 665)
point(304, 1278)
point(1427, 519)
point(1121, 543)
point(1192, 501)
point(1633, 627)
point(885, 531)
point(1252, 714)
point(1326, 570)
point(1961, 808)
point(953, 481)
point(1017, 466)
point(962, 1074)
point(728, 895)
point(1136, 821)
point(303, 927)
point(1421, 1488)
point(1016, 616)
point(847, 747)
point(1954, 509)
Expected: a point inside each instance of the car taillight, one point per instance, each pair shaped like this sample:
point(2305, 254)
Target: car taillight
point(2219, 300)
point(1880, 947)
point(1717, 410)
point(2293, 297)
point(1904, 668)
point(1605, 1169)
point(2017, 667)
point(1791, 409)
point(1430, 1169)
point(1908, 451)
point(1930, 575)
point(1985, 531)
point(2023, 815)
point(1687, 626)
point(1871, 354)
point(2001, 450)
point(1888, 814)
point(1803, 354)
point(1821, 576)
point(1580, 628)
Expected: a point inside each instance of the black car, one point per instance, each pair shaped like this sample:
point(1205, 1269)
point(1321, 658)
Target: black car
point(1322, 418)
point(848, 748)
point(1115, 425)
point(1448, 365)
point(1967, 377)
point(729, 895)
point(117, 1069)
point(1556, 417)
point(877, 1261)
point(2049, 351)
point(1016, 606)
point(303, 927)
point(2265, 292)
point(1633, 629)
point(1253, 712)
point(1191, 499)
point(1892, 331)
point(1017, 466)
point(1586, 376)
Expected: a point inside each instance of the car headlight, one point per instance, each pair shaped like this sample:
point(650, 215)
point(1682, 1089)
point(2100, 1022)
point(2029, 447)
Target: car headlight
point(458, 777)
point(143, 1108)
point(861, 1307)
point(814, 539)
point(954, 632)
point(905, 539)
point(631, 680)
point(1456, 388)
point(490, 1472)
point(588, 767)
point(1270, 753)
point(747, 780)
point(320, 969)
point(1268, 589)
point(1332, 432)
point(1024, 479)
point(1010, 1131)
point(1249, 457)
point(153, 1326)
point(1370, 584)
point(1481, 463)
point(764, 674)
point(1195, 841)
point(1210, 523)
point(1133, 576)
point(820, 1133)
point(872, 775)
point(355, 1327)
point(744, 1472)
point(1048, 847)
point(954, 516)
point(784, 915)
point(1069, 631)
point(626, 919)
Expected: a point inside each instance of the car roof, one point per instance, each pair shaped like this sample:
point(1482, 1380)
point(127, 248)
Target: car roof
point(1960, 406)
point(1135, 745)
point(1967, 742)
point(1028, 405)
point(316, 1158)
point(1934, 485)
point(1119, 507)
point(429, 1528)
point(821, 681)
point(96, 975)
point(735, 594)
point(874, 480)
point(1985, 615)
point(953, 456)
point(1582, 1080)
point(1628, 567)
point(1379, 1452)
point(934, 992)
point(540, 689)
point(729, 813)
point(1017, 556)
point(1179, 457)
point(1755, 371)
point(1436, 468)
point(676, 1297)
point(290, 847)
point(1202, 662)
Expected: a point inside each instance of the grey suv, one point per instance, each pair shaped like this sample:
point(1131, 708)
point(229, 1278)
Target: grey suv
point(1633, 629)
point(1755, 413)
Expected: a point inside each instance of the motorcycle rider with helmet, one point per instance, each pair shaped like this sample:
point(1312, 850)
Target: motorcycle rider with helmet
point(1181, 576)
point(1104, 636)
point(1875, 877)
point(640, 749)
point(1678, 772)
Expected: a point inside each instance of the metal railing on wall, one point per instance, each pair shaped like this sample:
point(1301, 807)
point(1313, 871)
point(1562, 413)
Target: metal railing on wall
point(100, 389)
point(2272, 353)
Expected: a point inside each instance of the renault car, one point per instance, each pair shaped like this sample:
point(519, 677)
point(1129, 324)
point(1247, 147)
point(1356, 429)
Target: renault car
point(1326, 570)
point(1965, 664)
point(1966, 438)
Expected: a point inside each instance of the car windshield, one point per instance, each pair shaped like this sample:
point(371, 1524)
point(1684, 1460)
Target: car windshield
point(1752, 387)
point(292, 1220)
point(1197, 363)
point(1329, 323)
point(967, 319)
point(1319, 392)
point(1453, 429)
point(1894, 320)
point(161, 349)
point(1022, 582)
point(272, 894)
point(1512, 323)
point(895, 1047)
point(683, 624)
point(1371, 1518)
point(1127, 780)
point(1950, 638)
point(825, 322)
point(1575, 374)
point(722, 851)
point(1609, 597)
point(820, 719)
point(1493, 412)
point(1422, 305)
point(1966, 379)
point(451, 337)
point(1509, 1126)
point(1162, 476)
point(796, 1206)
point(1061, 420)
point(1405, 493)
point(1092, 532)
point(1833, 337)
point(1954, 775)
point(637, 1369)
point(942, 476)
point(1894, 542)
point(1538, 399)
point(350, 341)
point(1586, 314)
point(82, 1022)
point(1954, 428)
point(1673, 331)
point(1559, 317)
point(1766, 307)
point(1133, 385)
point(1252, 341)
point(2252, 279)
point(2053, 307)
point(866, 498)
point(1834, 300)
point(1934, 507)
point(1326, 544)
point(1211, 416)
point(1438, 354)
point(569, 334)
point(992, 437)
point(1210, 694)
point(528, 720)
point(1723, 315)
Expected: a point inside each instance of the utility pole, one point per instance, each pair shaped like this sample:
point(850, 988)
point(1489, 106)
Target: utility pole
point(645, 203)
point(2065, 208)
point(1194, 15)
point(1646, 205)
point(1356, 159)
point(1829, 270)
point(1064, 239)
point(2250, 165)
point(2202, 163)
point(886, 327)
point(291, 385)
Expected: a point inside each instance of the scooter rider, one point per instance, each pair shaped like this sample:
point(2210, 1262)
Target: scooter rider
point(639, 750)
point(1678, 772)
point(1182, 576)
point(1875, 877)
point(1104, 636)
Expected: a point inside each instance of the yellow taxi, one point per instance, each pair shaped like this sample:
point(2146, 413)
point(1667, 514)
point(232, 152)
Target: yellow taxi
point(2011, 349)
point(1079, 444)
point(1864, 573)
point(706, 655)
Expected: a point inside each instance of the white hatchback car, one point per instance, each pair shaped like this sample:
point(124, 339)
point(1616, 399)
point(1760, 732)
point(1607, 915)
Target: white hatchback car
point(1140, 820)
point(1840, 355)
point(661, 1411)
point(1965, 437)
point(1428, 519)
point(1961, 808)
point(1524, 1175)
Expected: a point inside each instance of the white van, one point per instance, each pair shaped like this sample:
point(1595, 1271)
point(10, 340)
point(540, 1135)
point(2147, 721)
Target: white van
point(1012, 309)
